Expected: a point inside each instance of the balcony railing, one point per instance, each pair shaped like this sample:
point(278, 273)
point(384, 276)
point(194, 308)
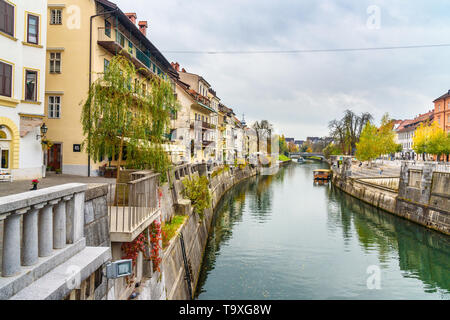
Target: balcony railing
point(115, 42)
point(37, 222)
point(133, 206)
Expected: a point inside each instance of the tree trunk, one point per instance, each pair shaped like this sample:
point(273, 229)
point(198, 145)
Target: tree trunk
point(119, 161)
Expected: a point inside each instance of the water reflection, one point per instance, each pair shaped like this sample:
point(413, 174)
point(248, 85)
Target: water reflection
point(421, 253)
point(282, 237)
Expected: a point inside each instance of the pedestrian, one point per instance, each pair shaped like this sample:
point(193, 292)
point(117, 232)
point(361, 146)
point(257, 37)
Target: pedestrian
point(381, 171)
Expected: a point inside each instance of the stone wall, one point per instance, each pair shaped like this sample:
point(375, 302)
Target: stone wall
point(195, 233)
point(423, 194)
point(96, 221)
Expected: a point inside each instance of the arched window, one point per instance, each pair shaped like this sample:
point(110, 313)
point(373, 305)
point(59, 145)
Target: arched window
point(5, 147)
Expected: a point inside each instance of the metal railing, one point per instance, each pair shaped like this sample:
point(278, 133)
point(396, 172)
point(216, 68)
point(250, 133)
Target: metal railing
point(129, 46)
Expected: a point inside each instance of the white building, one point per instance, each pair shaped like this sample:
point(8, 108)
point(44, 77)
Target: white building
point(22, 86)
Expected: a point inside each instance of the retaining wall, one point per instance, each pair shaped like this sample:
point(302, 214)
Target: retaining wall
point(423, 194)
point(195, 233)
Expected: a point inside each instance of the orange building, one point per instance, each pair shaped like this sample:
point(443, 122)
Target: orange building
point(442, 111)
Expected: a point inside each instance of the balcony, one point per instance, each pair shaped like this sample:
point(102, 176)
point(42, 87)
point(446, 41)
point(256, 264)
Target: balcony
point(204, 125)
point(116, 42)
point(133, 206)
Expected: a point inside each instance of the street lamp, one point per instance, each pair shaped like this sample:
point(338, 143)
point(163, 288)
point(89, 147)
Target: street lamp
point(44, 130)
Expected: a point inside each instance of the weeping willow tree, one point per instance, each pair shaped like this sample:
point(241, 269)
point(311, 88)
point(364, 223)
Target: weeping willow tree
point(122, 113)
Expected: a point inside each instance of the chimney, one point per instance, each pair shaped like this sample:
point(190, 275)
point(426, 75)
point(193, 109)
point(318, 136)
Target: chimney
point(132, 16)
point(176, 66)
point(143, 27)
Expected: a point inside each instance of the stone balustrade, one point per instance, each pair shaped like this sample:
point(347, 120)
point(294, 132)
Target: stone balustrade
point(37, 223)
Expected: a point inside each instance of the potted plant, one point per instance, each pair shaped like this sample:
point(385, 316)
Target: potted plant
point(34, 183)
point(58, 171)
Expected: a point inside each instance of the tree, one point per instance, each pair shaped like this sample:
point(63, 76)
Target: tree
point(331, 150)
point(263, 130)
point(293, 148)
point(347, 131)
point(431, 139)
point(386, 136)
point(283, 147)
point(119, 115)
point(374, 141)
point(367, 148)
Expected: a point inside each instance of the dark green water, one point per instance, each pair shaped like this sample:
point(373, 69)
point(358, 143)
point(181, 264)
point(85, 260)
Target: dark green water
point(282, 237)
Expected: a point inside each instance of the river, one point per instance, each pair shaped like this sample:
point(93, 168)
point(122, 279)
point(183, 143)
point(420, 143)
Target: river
point(282, 237)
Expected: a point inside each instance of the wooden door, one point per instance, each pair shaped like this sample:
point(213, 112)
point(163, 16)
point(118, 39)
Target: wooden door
point(54, 156)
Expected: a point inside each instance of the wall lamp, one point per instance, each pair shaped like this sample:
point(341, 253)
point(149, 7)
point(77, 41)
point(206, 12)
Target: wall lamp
point(44, 130)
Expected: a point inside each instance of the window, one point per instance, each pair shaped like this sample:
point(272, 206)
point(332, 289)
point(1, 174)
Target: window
point(130, 47)
point(7, 18)
point(5, 79)
point(33, 29)
point(54, 107)
point(55, 62)
point(31, 80)
point(105, 65)
point(108, 28)
point(56, 16)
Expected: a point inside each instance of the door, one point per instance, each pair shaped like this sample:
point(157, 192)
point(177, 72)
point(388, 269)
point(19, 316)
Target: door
point(54, 157)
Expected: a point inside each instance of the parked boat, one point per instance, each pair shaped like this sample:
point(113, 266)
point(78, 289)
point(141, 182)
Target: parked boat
point(322, 175)
point(301, 160)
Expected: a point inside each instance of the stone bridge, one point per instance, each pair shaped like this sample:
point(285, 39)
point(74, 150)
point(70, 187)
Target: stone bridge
point(296, 155)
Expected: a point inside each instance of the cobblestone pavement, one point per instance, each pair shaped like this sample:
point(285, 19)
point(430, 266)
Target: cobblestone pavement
point(52, 179)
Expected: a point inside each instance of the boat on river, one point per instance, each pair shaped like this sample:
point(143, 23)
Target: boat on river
point(322, 175)
point(301, 160)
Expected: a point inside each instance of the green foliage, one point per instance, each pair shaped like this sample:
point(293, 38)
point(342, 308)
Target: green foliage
point(431, 139)
point(331, 150)
point(197, 190)
point(366, 148)
point(119, 113)
point(170, 228)
point(282, 157)
point(374, 141)
point(282, 145)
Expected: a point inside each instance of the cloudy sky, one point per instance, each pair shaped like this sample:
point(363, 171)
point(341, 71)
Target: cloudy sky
point(300, 93)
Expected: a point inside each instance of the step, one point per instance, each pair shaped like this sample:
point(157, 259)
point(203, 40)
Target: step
point(58, 283)
point(9, 286)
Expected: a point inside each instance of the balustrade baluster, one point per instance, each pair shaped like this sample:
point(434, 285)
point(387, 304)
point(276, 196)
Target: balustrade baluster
point(30, 235)
point(45, 233)
point(11, 244)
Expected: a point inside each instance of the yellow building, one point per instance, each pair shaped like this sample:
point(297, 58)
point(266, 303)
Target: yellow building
point(83, 36)
point(192, 92)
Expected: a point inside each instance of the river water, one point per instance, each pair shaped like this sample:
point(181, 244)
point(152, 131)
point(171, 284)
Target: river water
point(282, 237)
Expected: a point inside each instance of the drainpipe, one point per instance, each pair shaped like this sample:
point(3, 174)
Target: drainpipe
point(90, 79)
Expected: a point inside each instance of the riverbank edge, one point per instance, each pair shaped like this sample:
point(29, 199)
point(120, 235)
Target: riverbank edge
point(390, 202)
point(195, 233)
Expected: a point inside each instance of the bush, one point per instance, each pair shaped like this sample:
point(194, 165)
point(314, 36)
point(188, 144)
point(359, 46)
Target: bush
point(197, 190)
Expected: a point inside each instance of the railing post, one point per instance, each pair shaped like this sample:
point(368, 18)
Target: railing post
point(78, 216)
point(11, 244)
point(46, 229)
point(30, 235)
point(59, 224)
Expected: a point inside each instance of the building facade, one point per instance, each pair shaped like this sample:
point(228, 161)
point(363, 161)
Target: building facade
point(442, 111)
point(77, 54)
point(405, 132)
point(22, 79)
